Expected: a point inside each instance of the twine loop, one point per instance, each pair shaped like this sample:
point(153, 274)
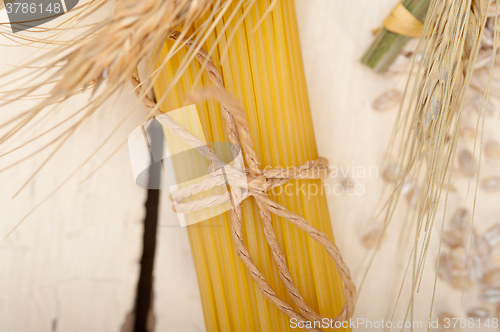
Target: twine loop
point(259, 183)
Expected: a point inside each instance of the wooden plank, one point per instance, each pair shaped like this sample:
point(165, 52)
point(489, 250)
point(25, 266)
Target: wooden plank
point(177, 303)
point(73, 264)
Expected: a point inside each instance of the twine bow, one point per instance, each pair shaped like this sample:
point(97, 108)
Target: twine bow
point(259, 183)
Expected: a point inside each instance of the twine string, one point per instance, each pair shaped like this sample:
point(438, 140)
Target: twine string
point(259, 183)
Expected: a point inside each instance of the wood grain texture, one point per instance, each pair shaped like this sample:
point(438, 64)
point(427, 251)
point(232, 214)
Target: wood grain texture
point(74, 261)
point(177, 296)
point(73, 264)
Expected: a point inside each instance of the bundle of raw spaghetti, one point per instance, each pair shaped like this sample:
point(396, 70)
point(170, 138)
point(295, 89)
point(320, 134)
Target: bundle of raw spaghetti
point(263, 69)
point(266, 259)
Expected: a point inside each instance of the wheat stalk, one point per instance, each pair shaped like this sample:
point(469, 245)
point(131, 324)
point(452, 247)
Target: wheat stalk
point(427, 127)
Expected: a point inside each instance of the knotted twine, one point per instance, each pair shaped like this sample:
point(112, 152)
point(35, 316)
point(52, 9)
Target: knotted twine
point(259, 182)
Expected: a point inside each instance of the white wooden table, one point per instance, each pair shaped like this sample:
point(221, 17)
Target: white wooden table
point(73, 264)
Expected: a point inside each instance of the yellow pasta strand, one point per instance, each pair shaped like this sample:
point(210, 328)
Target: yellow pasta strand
point(263, 68)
